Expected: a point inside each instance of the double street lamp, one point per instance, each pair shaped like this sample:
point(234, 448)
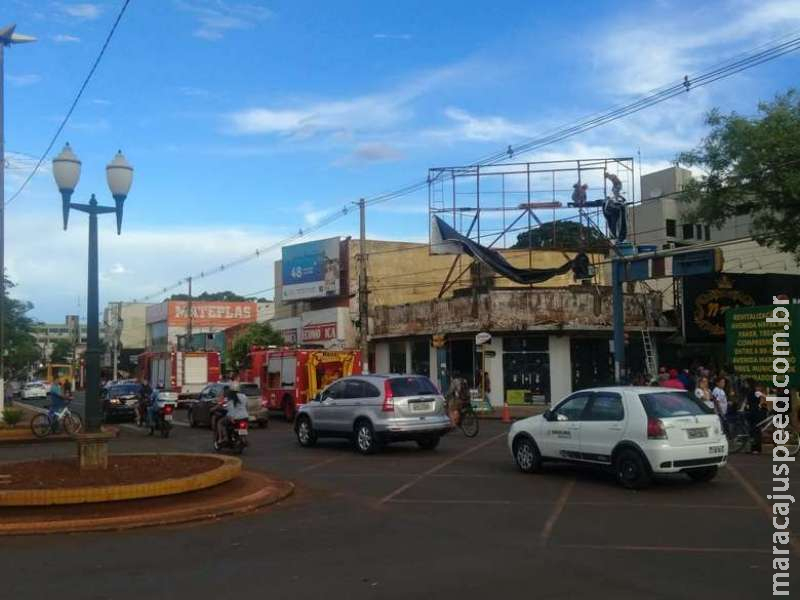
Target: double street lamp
point(119, 174)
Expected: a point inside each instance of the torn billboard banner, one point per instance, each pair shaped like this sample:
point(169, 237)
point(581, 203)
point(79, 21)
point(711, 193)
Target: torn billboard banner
point(446, 240)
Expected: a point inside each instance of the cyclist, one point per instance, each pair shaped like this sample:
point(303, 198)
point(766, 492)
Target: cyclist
point(457, 397)
point(57, 401)
point(756, 411)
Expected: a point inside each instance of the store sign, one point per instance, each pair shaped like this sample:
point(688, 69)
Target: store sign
point(752, 343)
point(483, 338)
point(211, 314)
point(707, 299)
point(289, 336)
point(319, 332)
point(311, 270)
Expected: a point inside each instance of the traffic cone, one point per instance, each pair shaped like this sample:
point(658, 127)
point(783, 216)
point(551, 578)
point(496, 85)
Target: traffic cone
point(506, 418)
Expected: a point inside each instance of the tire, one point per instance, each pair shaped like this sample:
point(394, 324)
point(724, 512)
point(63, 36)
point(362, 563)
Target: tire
point(527, 455)
point(793, 445)
point(428, 442)
point(469, 424)
point(631, 470)
point(702, 475)
point(739, 437)
point(192, 422)
point(41, 425)
point(72, 424)
point(304, 431)
point(165, 429)
point(364, 437)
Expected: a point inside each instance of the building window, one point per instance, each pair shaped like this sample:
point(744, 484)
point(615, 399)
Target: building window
point(526, 369)
point(708, 233)
point(698, 230)
point(397, 357)
point(421, 357)
point(671, 228)
point(688, 231)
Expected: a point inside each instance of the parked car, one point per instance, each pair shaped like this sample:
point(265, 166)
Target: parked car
point(34, 389)
point(199, 411)
point(119, 401)
point(373, 410)
point(638, 431)
point(258, 414)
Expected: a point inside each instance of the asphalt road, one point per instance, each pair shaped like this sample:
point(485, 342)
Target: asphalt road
point(458, 522)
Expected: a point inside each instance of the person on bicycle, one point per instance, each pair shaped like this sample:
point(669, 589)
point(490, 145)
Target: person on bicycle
point(457, 397)
point(756, 411)
point(57, 400)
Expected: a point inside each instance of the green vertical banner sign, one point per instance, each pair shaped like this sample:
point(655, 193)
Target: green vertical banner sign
point(753, 343)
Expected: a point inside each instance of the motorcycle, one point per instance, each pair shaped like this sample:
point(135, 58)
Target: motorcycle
point(236, 440)
point(163, 417)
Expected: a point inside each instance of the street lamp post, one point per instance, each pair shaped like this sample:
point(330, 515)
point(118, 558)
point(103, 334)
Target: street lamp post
point(119, 174)
point(7, 38)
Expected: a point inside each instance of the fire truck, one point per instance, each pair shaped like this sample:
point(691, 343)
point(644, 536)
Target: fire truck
point(288, 377)
point(183, 372)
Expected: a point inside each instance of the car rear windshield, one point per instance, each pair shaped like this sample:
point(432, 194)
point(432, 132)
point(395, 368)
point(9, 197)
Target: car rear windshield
point(126, 389)
point(662, 405)
point(412, 386)
point(248, 389)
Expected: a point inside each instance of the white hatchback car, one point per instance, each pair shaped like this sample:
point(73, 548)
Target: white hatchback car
point(34, 389)
point(639, 431)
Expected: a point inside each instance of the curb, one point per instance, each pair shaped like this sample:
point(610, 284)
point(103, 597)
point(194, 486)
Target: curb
point(272, 492)
point(24, 436)
point(230, 468)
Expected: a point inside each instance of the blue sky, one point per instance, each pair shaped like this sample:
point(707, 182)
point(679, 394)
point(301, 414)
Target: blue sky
point(247, 121)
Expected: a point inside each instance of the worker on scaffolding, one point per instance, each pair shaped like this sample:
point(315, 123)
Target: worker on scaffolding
point(614, 209)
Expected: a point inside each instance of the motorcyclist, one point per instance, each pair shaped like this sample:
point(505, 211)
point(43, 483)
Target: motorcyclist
point(152, 408)
point(235, 408)
point(145, 392)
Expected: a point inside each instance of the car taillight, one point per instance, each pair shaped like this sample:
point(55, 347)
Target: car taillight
point(242, 424)
point(655, 429)
point(388, 397)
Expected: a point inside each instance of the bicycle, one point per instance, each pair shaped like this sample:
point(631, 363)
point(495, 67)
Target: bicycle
point(468, 420)
point(43, 424)
point(739, 434)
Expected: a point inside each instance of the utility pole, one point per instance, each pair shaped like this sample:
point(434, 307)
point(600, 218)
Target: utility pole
point(117, 335)
point(618, 310)
point(7, 38)
point(363, 298)
point(188, 344)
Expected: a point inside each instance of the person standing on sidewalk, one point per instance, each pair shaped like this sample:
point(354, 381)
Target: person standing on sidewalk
point(720, 399)
point(756, 411)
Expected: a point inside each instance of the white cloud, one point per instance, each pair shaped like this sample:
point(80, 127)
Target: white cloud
point(84, 10)
point(23, 80)
point(474, 128)
point(215, 18)
point(63, 38)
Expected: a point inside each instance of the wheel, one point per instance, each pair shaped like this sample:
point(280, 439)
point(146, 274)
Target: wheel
point(288, 409)
point(793, 445)
point(238, 447)
point(703, 474)
point(72, 424)
point(192, 422)
point(41, 425)
point(738, 438)
point(428, 442)
point(469, 424)
point(364, 437)
point(305, 432)
point(165, 429)
point(527, 455)
point(631, 470)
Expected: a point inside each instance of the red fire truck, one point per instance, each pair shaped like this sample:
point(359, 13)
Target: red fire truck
point(289, 377)
point(184, 372)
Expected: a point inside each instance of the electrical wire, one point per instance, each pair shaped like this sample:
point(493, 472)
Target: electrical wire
point(63, 123)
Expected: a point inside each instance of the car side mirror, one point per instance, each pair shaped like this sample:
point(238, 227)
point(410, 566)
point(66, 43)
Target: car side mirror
point(548, 415)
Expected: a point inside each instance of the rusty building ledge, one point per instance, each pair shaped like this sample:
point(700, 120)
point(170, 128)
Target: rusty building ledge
point(575, 308)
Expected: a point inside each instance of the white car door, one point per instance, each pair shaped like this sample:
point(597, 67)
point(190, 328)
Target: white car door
point(561, 431)
point(602, 426)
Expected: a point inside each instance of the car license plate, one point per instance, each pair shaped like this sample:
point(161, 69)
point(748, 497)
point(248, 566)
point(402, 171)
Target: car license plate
point(168, 417)
point(701, 432)
point(716, 449)
point(421, 406)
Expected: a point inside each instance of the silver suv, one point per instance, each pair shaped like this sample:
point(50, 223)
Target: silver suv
point(375, 409)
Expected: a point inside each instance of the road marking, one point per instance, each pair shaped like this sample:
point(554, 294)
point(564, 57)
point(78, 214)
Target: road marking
point(662, 548)
point(321, 463)
point(557, 510)
point(759, 500)
point(625, 505)
point(439, 467)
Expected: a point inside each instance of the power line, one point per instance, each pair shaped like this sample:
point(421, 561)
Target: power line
point(63, 123)
point(718, 72)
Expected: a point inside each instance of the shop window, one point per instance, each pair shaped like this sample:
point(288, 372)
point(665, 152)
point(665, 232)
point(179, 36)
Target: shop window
point(526, 370)
point(397, 357)
point(671, 227)
point(688, 231)
point(421, 357)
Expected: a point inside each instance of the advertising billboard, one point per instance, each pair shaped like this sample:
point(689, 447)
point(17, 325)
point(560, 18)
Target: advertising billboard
point(311, 270)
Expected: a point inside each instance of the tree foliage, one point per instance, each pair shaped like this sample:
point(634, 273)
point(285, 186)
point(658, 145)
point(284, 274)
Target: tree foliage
point(226, 296)
point(255, 334)
point(567, 237)
point(62, 351)
point(752, 167)
point(20, 346)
